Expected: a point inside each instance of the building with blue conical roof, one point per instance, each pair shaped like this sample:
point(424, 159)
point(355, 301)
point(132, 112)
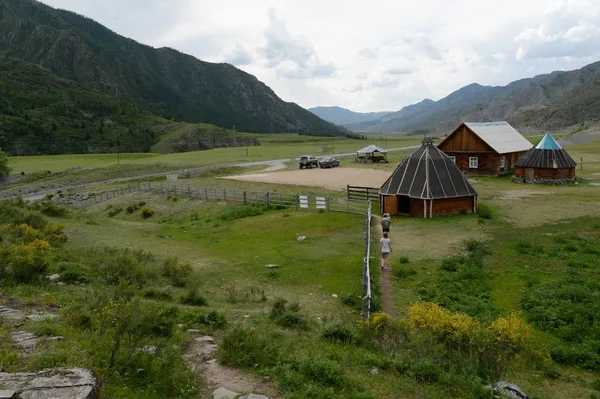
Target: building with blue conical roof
point(546, 163)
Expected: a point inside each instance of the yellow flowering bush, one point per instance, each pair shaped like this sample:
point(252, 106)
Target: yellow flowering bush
point(27, 231)
point(511, 332)
point(433, 318)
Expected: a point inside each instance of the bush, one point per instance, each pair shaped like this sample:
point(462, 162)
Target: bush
point(192, 298)
point(72, 273)
point(404, 259)
point(338, 331)
point(288, 316)
point(159, 294)
point(485, 211)
point(177, 272)
point(246, 348)
point(405, 272)
point(596, 384)
point(351, 299)
point(147, 212)
point(115, 211)
point(197, 317)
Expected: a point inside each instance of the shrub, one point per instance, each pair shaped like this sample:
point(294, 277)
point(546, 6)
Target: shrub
point(351, 299)
point(53, 210)
point(405, 272)
point(197, 317)
point(115, 211)
point(322, 371)
point(158, 294)
point(288, 316)
point(147, 212)
point(338, 331)
point(596, 384)
point(424, 371)
point(404, 259)
point(485, 211)
point(246, 348)
point(246, 294)
point(450, 264)
point(72, 273)
point(192, 298)
point(177, 272)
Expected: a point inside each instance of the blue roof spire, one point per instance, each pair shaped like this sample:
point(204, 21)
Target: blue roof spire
point(548, 143)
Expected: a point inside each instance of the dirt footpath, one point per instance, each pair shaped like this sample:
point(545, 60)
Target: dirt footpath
point(334, 178)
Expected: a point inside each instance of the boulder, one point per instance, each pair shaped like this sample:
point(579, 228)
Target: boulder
point(11, 314)
point(39, 316)
point(60, 383)
point(223, 393)
point(505, 389)
point(24, 339)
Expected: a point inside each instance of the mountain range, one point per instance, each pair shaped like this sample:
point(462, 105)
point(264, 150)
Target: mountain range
point(546, 102)
point(62, 47)
point(343, 116)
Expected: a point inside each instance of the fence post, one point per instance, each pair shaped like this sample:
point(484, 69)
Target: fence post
point(327, 203)
point(175, 189)
point(161, 187)
point(224, 195)
point(267, 198)
point(189, 190)
point(245, 198)
point(206, 194)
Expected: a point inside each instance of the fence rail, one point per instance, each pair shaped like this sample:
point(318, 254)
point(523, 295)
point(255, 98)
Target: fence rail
point(362, 193)
point(366, 277)
point(269, 198)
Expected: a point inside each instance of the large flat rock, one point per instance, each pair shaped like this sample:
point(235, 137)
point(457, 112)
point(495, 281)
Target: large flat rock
point(59, 383)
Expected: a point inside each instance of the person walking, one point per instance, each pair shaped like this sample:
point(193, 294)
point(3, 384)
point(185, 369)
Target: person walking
point(385, 246)
point(386, 222)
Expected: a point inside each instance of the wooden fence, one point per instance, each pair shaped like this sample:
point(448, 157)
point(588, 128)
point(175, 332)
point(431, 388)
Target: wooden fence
point(362, 193)
point(324, 203)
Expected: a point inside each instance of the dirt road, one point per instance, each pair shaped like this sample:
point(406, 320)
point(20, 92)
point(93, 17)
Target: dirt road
point(333, 179)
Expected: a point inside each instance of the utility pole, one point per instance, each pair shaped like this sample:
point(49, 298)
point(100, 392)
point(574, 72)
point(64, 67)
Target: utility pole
point(246, 150)
point(118, 145)
point(234, 135)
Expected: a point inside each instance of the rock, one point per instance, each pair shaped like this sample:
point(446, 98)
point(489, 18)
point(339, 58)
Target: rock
point(11, 314)
point(334, 295)
point(205, 338)
point(151, 349)
point(374, 371)
point(223, 393)
point(53, 277)
point(57, 383)
point(39, 316)
point(211, 361)
point(6, 394)
point(301, 238)
point(272, 266)
point(254, 396)
point(61, 283)
point(193, 330)
point(25, 339)
point(505, 389)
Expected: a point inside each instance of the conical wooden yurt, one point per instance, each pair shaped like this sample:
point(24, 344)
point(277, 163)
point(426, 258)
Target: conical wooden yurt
point(427, 184)
point(546, 163)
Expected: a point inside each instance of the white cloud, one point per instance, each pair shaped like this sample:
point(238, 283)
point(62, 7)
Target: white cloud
point(360, 55)
point(569, 29)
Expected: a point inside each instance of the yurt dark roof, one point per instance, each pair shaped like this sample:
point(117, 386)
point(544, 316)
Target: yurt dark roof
point(428, 173)
point(548, 154)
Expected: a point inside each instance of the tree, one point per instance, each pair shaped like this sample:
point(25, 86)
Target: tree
point(4, 169)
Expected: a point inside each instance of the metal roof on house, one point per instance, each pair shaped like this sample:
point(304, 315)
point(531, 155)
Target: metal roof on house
point(548, 154)
point(370, 149)
point(428, 173)
point(548, 143)
point(501, 136)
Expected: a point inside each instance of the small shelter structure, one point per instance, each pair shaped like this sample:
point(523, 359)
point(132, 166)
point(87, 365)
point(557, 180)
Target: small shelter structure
point(485, 147)
point(546, 163)
point(427, 183)
point(371, 153)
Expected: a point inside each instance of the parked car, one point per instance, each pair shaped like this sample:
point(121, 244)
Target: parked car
point(308, 161)
point(329, 162)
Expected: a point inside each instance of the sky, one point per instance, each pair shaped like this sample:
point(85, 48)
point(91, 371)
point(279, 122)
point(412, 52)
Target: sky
point(365, 56)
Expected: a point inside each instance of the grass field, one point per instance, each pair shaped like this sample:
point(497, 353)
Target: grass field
point(536, 256)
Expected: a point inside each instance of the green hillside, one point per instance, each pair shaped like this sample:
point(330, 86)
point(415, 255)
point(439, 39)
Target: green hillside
point(164, 81)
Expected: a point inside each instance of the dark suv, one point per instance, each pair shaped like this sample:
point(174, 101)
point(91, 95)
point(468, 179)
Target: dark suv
point(308, 161)
point(329, 162)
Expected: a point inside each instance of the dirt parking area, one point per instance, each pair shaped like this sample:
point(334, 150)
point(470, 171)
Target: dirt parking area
point(334, 178)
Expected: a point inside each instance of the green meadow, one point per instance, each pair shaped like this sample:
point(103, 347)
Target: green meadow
point(517, 286)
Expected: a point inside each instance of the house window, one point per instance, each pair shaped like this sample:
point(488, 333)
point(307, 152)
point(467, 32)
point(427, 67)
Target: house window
point(453, 159)
point(502, 162)
point(473, 162)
